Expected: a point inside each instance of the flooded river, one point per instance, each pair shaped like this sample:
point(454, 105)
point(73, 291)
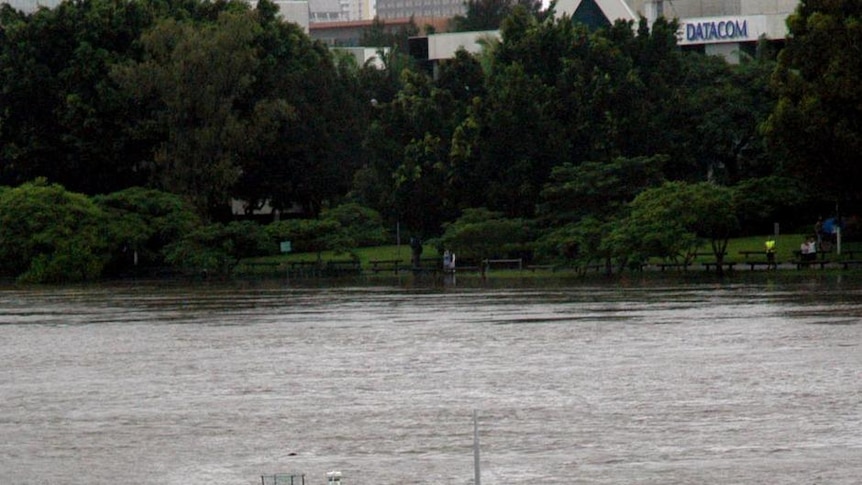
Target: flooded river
point(644, 384)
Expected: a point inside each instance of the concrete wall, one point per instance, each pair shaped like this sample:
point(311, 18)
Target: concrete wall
point(364, 54)
point(444, 46)
point(294, 11)
point(714, 8)
point(30, 6)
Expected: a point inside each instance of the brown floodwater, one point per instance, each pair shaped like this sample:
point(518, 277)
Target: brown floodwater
point(220, 384)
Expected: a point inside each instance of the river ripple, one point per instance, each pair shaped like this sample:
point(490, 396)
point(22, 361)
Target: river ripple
point(703, 384)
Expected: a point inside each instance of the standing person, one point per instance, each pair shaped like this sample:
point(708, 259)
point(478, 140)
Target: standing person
point(416, 251)
point(770, 251)
point(812, 249)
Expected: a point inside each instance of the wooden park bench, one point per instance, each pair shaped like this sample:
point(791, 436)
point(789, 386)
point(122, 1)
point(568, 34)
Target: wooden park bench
point(664, 266)
point(746, 254)
point(850, 253)
point(517, 263)
point(596, 268)
point(303, 268)
point(714, 264)
point(807, 263)
point(767, 264)
point(257, 266)
point(393, 265)
point(821, 253)
point(343, 267)
point(708, 254)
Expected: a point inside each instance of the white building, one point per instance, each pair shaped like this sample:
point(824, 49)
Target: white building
point(339, 10)
point(325, 11)
point(30, 6)
point(296, 11)
point(396, 9)
point(718, 27)
point(728, 28)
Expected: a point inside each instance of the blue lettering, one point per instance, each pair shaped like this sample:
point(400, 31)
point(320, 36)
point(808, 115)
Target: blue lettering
point(743, 29)
point(705, 31)
point(712, 32)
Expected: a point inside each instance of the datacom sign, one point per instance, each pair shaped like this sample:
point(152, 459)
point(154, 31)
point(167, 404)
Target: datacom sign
point(715, 30)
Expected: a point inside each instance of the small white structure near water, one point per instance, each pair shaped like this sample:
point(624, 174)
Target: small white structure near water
point(297, 478)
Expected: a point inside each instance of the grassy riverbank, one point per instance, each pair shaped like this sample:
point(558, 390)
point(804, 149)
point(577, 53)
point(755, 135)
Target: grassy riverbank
point(736, 249)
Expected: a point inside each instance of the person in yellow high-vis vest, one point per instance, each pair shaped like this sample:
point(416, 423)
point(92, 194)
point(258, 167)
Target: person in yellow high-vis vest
point(770, 251)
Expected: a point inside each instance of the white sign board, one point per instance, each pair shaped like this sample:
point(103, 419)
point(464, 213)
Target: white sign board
point(715, 30)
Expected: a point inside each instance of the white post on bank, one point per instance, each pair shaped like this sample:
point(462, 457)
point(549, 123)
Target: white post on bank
point(838, 237)
point(333, 478)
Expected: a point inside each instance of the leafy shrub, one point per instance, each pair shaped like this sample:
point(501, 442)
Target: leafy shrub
point(312, 235)
point(217, 248)
point(361, 224)
point(50, 235)
point(142, 223)
point(480, 233)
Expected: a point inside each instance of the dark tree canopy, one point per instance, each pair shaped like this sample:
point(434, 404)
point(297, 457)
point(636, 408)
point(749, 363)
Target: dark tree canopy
point(62, 115)
point(489, 14)
point(48, 234)
point(817, 123)
point(554, 128)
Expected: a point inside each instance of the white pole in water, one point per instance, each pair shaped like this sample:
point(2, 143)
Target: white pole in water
point(478, 473)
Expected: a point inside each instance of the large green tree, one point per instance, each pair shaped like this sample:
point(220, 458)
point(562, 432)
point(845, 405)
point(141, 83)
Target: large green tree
point(723, 108)
point(192, 83)
point(597, 189)
point(761, 202)
point(482, 234)
point(143, 223)
point(672, 220)
point(817, 123)
point(489, 14)
point(48, 234)
point(217, 248)
point(61, 115)
point(559, 94)
point(581, 203)
point(313, 235)
point(306, 156)
point(361, 224)
point(408, 174)
point(205, 99)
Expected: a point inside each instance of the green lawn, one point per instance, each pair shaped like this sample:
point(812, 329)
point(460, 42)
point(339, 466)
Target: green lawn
point(365, 255)
point(784, 247)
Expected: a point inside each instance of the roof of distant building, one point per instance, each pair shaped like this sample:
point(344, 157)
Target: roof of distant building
point(324, 6)
point(440, 24)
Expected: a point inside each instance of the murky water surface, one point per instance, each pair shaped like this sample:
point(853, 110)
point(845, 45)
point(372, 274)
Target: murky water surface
point(712, 384)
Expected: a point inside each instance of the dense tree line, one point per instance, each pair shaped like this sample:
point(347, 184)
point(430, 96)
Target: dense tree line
point(147, 117)
point(204, 99)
